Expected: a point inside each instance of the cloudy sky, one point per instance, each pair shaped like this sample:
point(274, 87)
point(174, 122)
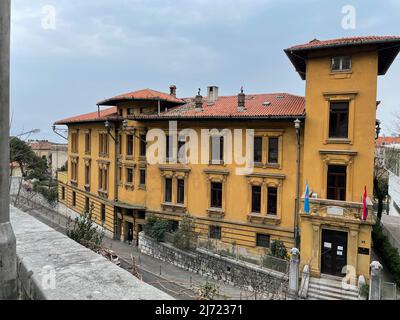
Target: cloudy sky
point(99, 48)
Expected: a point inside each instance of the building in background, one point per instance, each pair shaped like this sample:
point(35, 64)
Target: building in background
point(108, 167)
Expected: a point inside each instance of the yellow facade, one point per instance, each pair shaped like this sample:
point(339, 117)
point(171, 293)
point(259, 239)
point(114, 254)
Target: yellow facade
point(127, 203)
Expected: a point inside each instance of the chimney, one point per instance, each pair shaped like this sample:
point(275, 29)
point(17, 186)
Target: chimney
point(212, 94)
point(241, 101)
point(199, 102)
point(172, 90)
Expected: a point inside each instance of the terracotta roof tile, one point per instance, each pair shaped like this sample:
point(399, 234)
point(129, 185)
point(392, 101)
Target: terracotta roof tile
point(145, 94)
point(90, 117)
point(387, 141)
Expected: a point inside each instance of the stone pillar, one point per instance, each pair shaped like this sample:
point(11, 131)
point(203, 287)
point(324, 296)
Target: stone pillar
point(375, 281)
point(294, 272)
point(8, 257)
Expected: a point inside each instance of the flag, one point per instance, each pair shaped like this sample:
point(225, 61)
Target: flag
point(365, 209)
point(307, 199)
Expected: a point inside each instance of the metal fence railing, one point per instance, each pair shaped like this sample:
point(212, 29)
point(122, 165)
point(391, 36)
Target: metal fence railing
point(389, 291)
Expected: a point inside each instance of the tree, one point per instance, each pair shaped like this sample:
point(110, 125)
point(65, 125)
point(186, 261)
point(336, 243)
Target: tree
point(278, 249)
point(84, 231)
point(156, 228)
point(185, 235)
point(208, 291)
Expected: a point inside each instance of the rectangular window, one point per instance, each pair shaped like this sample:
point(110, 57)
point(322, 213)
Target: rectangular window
point(142, 177)
point(129, 176)
point(74, 171)
point(181, 151)
point(87, 205)
point(129, 145)
point(258, 142)
point(87, 175)
point(103, 179)
point(215, 232)
point(181, 191)
point(103, 213)
point(119, 144)
point(336, 189)
point(272, 200)
point(168, 148)
point(119, 175)
point(273, 150)
point(74, 199)
point(338, 119)
point(74, 142)
point(263, 240)
point(62, 193)
point(168, 190)
point(256, 199)
point(216, 195)
point(217, 149)
point(341, 63)
point(143, 145)
point(87, 143)
point(103, 144)
point(130, 111)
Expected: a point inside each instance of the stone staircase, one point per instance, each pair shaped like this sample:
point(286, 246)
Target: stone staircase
point(330, 288)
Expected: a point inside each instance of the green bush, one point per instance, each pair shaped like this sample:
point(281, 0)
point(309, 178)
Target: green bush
point(278, 249)
point(185, 237)
point(389, 254)
point(49, 193)
point(156, 228)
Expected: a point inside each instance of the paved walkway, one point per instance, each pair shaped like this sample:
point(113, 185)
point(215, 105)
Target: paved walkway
point(177, 282)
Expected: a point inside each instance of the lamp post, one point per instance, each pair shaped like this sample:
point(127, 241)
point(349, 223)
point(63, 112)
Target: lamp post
point(297, 126)
point(8, 257)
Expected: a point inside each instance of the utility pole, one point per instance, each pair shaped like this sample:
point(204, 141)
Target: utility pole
point(8, 258)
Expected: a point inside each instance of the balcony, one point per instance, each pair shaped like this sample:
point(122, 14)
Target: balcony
point(345, 211)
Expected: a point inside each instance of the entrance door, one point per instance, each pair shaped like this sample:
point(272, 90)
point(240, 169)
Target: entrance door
point(333, 252)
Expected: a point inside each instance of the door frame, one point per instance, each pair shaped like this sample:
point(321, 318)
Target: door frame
point(334, 246)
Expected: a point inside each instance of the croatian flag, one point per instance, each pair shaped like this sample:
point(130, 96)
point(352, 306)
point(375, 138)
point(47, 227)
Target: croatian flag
point(365, 209)
point(307, 199)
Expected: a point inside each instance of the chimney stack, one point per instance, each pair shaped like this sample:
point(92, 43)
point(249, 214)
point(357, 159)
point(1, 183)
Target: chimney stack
point(212, 94)
point(241, 101)
point(172, 90)
point(199, 102)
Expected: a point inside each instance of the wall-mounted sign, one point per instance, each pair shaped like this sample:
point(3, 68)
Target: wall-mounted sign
point(363, 251)
point(327, 245)
point(334, 211)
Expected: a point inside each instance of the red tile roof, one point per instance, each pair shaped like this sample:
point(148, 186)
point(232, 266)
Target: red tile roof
point(141, 95)
point(318, 44)
point(387, 141)
point(90, 117)
point(276, 105)
point(40, 145)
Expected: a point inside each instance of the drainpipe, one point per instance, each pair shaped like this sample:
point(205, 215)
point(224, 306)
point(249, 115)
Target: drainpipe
point(8, 257)
point(116, 197)
point(297, 125)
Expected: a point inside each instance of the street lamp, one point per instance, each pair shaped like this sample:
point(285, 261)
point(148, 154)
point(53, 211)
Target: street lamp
point(34, 131)
point(377, 129)
point(297, 126)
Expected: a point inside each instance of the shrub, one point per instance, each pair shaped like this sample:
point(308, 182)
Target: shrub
point(208, 291)
point(185, 236)
point(156, 228)
point(389, 254)
point(278, 249)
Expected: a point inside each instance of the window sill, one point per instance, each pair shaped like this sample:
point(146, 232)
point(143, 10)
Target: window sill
point(257, 218)
point(74, 183)
point(174, 207)
point(216, 213)
point(217, 162)
point(142, 187)
point(337, 141)
point(87, 188)
point(103, 194)
point(129, 158)
point(129, 186)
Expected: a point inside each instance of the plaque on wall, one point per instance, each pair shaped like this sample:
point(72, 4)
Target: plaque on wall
point(335, 211)
point(363, 251)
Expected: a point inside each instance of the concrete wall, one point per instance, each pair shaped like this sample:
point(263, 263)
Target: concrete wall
point(394, 192)
point(240, 274)
point(53, 267)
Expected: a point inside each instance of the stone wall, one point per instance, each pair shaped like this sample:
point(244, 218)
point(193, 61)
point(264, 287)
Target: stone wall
point(237, 273)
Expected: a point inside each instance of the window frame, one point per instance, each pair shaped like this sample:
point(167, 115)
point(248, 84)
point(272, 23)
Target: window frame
point(215, 232)
point(180, 187)
point(213, 198)
point(341, 64)
point(275, 204)
point(253, 187)
point(338, 105)
point(259, 241)
point(269, 158)
point(168, 190)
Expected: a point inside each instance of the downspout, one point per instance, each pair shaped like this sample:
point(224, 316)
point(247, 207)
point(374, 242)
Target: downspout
point(116, 145)
point(297, 203)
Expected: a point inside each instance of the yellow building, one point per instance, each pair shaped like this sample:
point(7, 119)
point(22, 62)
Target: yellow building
point(120, 162)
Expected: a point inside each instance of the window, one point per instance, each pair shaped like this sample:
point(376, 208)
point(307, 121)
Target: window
point(87, 143)
point(74, 199)
point(62, 193)
point(120, 112)
point(174, 225)
point(256, 199)
point(142, 177)
point(74, 171)
point(74, 142)
point(341, 63)
point(272, 200)
point(338, 119)
point(130, 111)
point(273, 148)
point(87, 174)
point(168, 190)
point(258, 141)
point(215, 232)
point(143, 145)
point(87, 205)
point(129, 176)
point(103, 144)
point(119, 144)
point(263, 240)
point(168, 148)
point(181, 191)
point(119, 175)
point(182, 151)
point(103, 179)
point(336, 182)
point(216, 195)
point(129, 145)
point(103, 213)
point(217, 149)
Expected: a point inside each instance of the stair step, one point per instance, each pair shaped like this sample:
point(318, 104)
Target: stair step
point(329, 294)
point(336, 290)
point(316, 296)
point(331, 283)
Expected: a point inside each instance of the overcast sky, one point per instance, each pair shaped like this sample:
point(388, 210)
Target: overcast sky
point(99, 48)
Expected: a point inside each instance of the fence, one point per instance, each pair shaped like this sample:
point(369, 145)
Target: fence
point(390, 291)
